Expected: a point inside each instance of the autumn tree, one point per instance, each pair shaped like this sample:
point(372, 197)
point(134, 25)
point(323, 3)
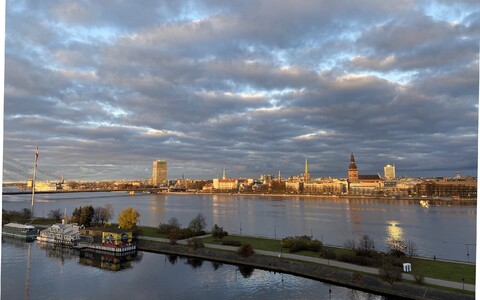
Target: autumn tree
point(128, 218)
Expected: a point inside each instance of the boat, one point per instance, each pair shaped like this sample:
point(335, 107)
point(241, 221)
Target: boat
point(63, 234)
point(424, 203)
point(23, 231)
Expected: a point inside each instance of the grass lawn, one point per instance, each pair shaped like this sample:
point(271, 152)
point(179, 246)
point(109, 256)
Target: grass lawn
point(152, 232)
point(429, 268)
point(257, 243)
point(444, 270)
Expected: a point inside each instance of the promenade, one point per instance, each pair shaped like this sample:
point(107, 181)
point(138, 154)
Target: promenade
point(327, 262)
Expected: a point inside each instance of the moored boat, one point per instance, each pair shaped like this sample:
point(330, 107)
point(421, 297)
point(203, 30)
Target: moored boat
point(22, 231)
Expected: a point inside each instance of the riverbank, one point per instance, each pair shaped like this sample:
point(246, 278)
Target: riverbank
point(329, 272)
point(431, 200)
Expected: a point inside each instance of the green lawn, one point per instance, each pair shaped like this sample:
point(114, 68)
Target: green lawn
point(444, 270)
point(428, 268)
point(152, 232)
point(257, 243)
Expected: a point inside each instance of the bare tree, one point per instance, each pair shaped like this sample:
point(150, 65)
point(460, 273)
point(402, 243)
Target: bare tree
point(366, 243)
point(411, 248)
point(349, 244)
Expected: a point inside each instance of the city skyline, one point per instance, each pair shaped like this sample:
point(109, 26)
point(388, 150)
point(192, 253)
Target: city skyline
point(253, 86)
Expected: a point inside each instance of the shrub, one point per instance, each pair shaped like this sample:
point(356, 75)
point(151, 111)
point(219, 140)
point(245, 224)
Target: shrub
point(389, 272)
point(245, 250)
point(165, 228)
point(328, 254)
point(419, 277)
point(232, 243)
point(195, 243)
point(300, 243)
point(218, 232)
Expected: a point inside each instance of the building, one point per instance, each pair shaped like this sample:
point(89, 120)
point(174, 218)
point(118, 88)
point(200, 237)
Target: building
point(389, 172)
point(465, 189)
point(225, 184)
point(362, 184)
point(352, 170)
point(326, 186)
point(159, 173)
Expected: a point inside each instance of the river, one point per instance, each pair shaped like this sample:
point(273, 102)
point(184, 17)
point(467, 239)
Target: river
point(443, 231)
point(41, 271)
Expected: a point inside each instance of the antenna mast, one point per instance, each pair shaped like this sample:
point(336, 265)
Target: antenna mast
point(34, 178)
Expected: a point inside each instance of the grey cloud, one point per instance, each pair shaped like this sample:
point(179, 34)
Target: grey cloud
point(253, 86)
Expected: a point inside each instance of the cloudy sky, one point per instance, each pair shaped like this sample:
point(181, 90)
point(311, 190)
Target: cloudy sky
point(105, 87)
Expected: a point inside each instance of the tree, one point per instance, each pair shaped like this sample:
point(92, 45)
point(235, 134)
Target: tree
point(396, 247)
point(86, 215)
point(411, 248)
point(197, 224)
point(55, 214)
point(128, 218)
point(103, 214)
point(366, 243)
point(27, 214)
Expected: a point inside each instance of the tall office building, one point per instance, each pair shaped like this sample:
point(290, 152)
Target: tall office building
point(159, 173)
point(389, 171)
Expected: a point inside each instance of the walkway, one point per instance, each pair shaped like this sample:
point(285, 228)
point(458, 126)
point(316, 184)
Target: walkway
point(328, 262)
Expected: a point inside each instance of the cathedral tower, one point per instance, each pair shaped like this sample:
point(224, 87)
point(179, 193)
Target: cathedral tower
point(352, 170)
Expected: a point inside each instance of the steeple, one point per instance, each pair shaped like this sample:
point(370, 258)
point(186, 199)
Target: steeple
point(224, 175)
point(352, 170)
point(306, 175)
point(352, 162)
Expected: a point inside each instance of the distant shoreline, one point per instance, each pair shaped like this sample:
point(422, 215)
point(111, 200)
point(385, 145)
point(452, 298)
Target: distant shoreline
point(431, 200)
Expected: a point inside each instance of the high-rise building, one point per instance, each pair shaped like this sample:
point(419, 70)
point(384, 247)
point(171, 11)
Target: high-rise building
point(352, 170)
point(159, 173)
point(389, 171)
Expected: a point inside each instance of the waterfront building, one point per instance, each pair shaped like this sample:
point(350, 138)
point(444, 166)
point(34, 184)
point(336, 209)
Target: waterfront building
point(63, 234)
point(106, 239)
point(22, 231)
point(159, 173)
point(330, 186)
point(293, 186)
point(389, 171)
point(466, 188)
point(362, 184)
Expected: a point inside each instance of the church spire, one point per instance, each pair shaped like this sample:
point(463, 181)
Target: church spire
point(306, 175)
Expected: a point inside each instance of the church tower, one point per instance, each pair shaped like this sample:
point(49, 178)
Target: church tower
point(306, 175)
point(352, 170)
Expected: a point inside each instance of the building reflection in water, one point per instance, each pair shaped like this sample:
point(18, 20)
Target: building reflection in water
point(94, 258)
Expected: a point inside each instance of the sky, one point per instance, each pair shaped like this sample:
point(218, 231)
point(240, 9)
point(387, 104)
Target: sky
point(252, 86)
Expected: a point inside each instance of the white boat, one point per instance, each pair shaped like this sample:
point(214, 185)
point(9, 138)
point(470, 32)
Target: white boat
point(64, 234)
point(424, 203)
point(23, 231)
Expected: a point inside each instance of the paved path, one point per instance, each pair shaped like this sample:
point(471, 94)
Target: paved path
point(333, 263)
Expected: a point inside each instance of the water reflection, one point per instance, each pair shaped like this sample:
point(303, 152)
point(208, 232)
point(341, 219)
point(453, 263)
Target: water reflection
point(394, 232)
point(93, 258)
point(179, 278)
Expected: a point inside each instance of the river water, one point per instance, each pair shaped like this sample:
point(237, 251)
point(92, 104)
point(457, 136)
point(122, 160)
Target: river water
point(447, 232)
point(42, 271)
